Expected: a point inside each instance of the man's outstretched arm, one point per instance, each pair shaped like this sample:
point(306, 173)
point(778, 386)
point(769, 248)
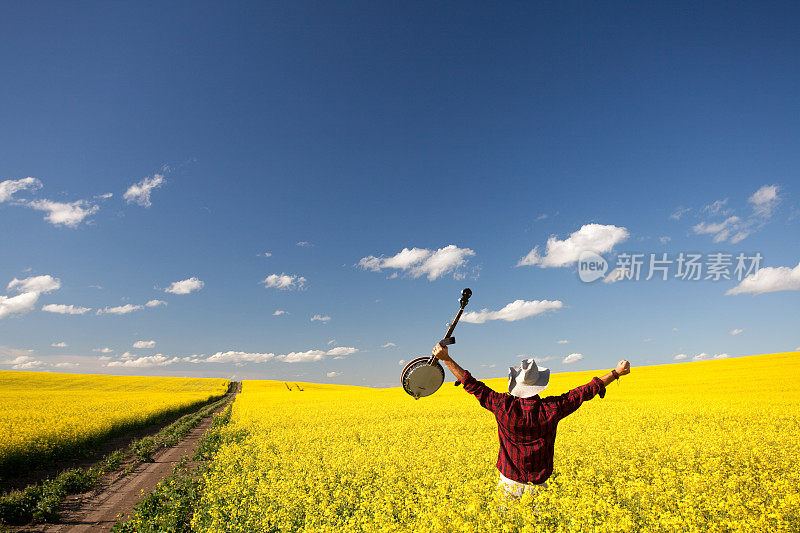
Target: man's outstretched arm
point(442, 354)
point(486, 396)
point(569, 402)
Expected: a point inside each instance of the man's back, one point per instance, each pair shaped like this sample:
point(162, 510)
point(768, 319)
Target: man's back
point(526, 427)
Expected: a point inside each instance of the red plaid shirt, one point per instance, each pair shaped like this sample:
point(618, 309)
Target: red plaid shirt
point(527, 426)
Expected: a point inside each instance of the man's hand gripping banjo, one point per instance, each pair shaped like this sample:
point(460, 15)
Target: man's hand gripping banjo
point(424, 375)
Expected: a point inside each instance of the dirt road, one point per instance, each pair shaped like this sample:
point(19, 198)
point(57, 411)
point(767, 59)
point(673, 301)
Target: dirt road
point(118, 493)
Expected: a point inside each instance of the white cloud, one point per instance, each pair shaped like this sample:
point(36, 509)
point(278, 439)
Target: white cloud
point(304, 244)
point(185, 286)
point(721, 356)
point(700, 356)
point(284, 282)
point(572, 358)
point(716, 207)
point(765, 200)
point(61, 344)
point(681, 357)
point(720, 230)
point(69, 214)
point(617, 274)
point(769, 279)
point(155, 303)
point(291, 357)
point(9, 187)
point(63, 309)
point(144, 344)
point(303, 357)
point(239, 357)
point(333, 374)
point(18, 305)
point(24, 362)
point(563, 342)
point(590, 237)
point(36, 284)
point(29, 289)
point(279, 312)
point(104, 196)
point(332, 341)
point(267, 254)
point(128, 355)
point(145, 362)
point(120, 310)
point(401, 362)
point(665, 239)
point(516, 310)
point(139, 193)
point(320, 318)
point(421, 261)
point(103, 350)
point(66, 364)
point(389, 345)
point(736, 331)
point(679, 212)
point(342, 350)
point(735, 229)
point(104, 358)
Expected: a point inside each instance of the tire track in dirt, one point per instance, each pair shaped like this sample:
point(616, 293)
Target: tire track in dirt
point(118, 493)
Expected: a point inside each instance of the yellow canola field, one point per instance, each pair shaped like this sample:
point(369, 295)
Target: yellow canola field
point(43, 414)
point(702, 446)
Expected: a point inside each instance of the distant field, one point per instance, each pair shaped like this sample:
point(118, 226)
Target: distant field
point(705, 446)
point(43, 415)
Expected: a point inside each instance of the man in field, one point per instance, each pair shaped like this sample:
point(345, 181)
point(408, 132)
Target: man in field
point(526, 423)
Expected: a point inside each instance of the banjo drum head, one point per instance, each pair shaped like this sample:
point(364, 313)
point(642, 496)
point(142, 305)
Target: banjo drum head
point(421, 379)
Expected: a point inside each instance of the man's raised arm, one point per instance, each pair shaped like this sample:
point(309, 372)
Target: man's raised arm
point(486, 396)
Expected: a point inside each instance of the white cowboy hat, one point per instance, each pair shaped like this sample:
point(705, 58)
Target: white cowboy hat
point(527, 379)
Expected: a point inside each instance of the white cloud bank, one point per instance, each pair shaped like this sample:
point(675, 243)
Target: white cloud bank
point(736, 331)
point(333, 374)
point(185, 286)
point(9, 187)
point(516, 310)
point(320, 318)
point(735, 229)
point(572, 358)
point(769, 279)
point(144, 344)
point(590, 237)
point(69, 214)
point(291, 357)
point(63, 309)
point(24, 362)
point(29, 290)
point(279, 312)
point(284, 282)
point(139, 193)
point(765, 200)
point(419, 262)
point(120, 309)
point(155, 303)
point(61, 344)
point(144, 362)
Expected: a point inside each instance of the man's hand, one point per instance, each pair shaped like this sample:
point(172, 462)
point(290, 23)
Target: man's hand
point(440, 352)
point(623, 367)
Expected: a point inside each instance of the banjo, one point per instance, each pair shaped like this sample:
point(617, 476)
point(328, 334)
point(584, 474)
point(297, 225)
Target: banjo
point(424, 375)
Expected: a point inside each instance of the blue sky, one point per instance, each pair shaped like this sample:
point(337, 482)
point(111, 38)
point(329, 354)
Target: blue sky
point(473, 135)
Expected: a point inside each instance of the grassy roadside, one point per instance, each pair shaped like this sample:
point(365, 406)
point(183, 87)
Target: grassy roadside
point(169, 508)
point(39, 502)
